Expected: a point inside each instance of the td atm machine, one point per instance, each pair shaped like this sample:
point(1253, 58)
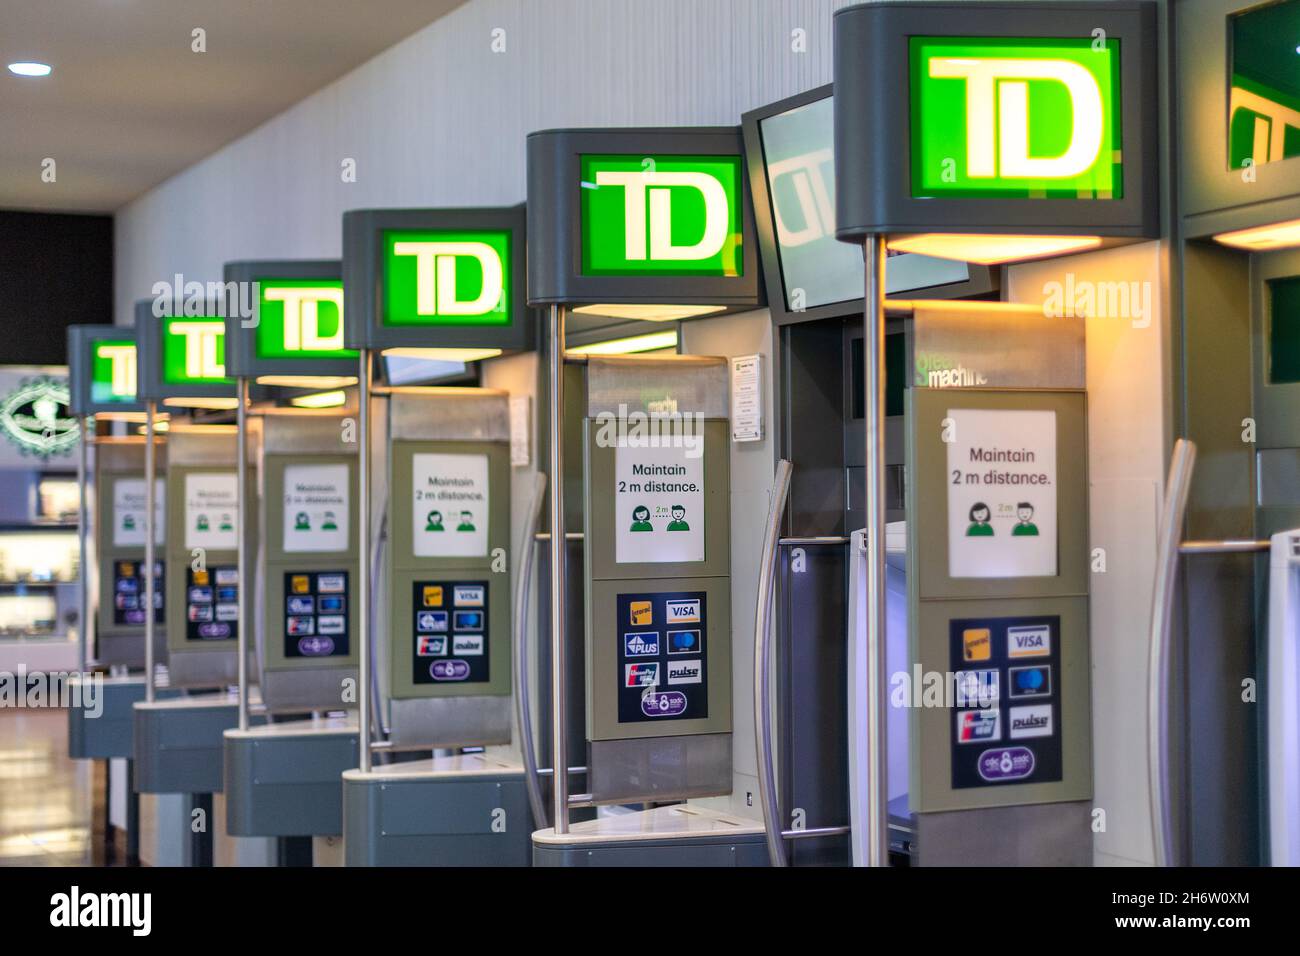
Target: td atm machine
point(430, 293)
point(300, 607)
point(102, 370)
point(177, 739)
point(644, 224)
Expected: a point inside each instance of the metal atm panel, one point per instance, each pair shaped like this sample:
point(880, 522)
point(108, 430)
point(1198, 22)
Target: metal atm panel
point(449, 472)
point(119, 546)
point(307, 641)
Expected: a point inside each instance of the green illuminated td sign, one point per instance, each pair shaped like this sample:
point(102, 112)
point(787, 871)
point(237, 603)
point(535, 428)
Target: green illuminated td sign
point(444, 277)
point(194, 351)
point(112, 371)
point(1015, 117)
point(661, 215)
point(300, 319)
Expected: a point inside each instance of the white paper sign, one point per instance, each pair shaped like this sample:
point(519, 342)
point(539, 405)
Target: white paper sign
point(449, 508)
point(316, 508)
point(212, 511)
point(658, 504)
point(747, 398)
point(129, 512)
point(1001, 493)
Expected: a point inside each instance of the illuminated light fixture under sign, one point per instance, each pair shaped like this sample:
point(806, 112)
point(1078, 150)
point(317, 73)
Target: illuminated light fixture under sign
point(629, 345)
point(1278, 235)
point(159, 426)
point(332, 399)
point(308, 381)
point(202, 402)
point(990, 249)
point(443, 355)
point(649, 312)
point(29, 69)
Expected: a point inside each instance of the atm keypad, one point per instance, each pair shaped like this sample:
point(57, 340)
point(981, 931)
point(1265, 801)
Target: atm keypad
point(450, 643)
point(316, 614)
point(661, 669)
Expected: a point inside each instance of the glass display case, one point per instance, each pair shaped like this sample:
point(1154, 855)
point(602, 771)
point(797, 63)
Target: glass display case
point(39, 574)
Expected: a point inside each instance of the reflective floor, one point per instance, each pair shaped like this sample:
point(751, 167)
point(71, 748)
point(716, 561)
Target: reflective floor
point(51, 807)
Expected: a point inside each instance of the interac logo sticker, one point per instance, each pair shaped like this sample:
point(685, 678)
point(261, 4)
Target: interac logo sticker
point(1041, 117)
point(194, 351)
point(113, 372)
point(300, 318)
point(665, 215)
point(441, 277)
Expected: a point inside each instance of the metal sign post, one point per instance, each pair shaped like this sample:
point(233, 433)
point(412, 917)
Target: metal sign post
point(150, 520)
point(241, 495)
point(559, 694)
point(364, 568)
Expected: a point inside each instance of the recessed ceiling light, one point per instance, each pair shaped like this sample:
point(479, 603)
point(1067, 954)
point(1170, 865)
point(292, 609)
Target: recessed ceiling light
point(29, 69)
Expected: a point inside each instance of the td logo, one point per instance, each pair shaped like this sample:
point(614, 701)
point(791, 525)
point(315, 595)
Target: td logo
point(671, 215)
point(1041, 118)
point(194, 350)
point(114, 372)
point(300, 318)
point(446, 278)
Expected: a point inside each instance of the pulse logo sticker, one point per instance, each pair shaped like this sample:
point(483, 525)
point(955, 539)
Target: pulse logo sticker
point(641, 645)
point(683, 612)
point(641, 675)
point(1033, 721)
point(1032, 641)
point(977, 726)
point(685, 672)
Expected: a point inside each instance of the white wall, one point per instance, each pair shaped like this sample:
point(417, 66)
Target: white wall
point(440, 120)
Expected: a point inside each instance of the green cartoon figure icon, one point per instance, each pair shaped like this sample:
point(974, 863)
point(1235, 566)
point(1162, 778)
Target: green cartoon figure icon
point(679, 519)
point(466, 521)
point(128, 522)
point(227, 524)
point(641, 519)
point(301, 522)
point(1025, 527)
point(201, 523)
point(433, 521)
point(979, 521)
point(329, 524)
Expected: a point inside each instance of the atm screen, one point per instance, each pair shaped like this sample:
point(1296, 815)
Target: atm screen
point(817, 269)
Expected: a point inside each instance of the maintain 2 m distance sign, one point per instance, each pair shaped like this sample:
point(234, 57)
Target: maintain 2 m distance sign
point(988, 117)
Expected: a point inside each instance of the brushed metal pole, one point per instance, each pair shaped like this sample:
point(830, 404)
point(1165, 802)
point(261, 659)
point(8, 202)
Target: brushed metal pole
point(874, 352)
point(241, 556)
point(555, 419)
point(150, 476)
point(363, 584)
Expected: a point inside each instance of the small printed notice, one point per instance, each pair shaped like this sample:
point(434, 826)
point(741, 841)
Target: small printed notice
point(212, 510)
point(658, 504)
point(747, 398)
point(129, 512)
point(1001, 493)
point(449, 511)
point(315, 508)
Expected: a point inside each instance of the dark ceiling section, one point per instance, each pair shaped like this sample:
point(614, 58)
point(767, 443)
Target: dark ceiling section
point(55, 271)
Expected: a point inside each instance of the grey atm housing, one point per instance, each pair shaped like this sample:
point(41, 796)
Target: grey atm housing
point(118, 459)
point(450, 714)
point(872, 146)
point(679, 758)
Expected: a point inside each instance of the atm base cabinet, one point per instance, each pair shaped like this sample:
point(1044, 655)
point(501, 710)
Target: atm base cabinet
point(468, 810)
point(100, 725)
point(678, 836)
point(177, 743)
point(283, 779)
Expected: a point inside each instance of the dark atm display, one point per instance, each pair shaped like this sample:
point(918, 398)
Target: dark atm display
point(450, 643)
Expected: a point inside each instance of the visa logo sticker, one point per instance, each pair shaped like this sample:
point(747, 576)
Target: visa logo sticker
point(1032, 641)
point(330, 584)
point(469, 595)
point(685, 672)
point(683, 612)
point(1035, 721)
point(641, 645)
point(978, 726)
point(641, 675)
point(641, 613)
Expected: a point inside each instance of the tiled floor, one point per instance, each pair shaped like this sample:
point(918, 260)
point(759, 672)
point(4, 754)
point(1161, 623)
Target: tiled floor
point(48, 802)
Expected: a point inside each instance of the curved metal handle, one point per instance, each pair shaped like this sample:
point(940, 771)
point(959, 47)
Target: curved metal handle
point(762, 653)
point(1162, 603)
point(523, 689)
point(377, 712)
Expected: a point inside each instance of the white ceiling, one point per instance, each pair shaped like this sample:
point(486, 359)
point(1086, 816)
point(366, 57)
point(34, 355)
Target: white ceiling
point(129, 103)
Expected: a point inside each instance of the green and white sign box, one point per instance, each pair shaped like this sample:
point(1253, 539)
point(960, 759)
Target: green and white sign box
point(182, 356)
point(1035, 118)
point(103, 368)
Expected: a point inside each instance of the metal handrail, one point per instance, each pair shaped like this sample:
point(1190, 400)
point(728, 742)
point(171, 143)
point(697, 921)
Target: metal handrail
point(762, 653)
point(1171, 527)
point(523, 687)
point(377, 711)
